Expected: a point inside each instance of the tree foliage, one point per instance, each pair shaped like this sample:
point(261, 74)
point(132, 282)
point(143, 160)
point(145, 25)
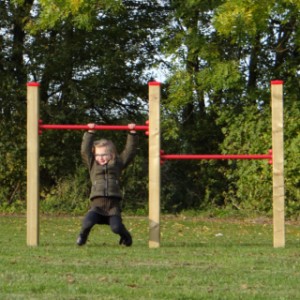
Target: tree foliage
point(93, 60)
point(225, 53)
point(89, 72)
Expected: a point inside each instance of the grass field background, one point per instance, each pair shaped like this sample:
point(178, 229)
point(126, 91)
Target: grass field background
point(199, 258)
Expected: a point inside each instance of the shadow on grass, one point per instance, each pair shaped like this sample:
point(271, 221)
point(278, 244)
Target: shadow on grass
point(215, 245)
point(167, 244)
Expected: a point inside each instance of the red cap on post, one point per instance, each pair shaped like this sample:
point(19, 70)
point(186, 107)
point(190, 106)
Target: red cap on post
point(276, 81)
point(154, 83)
point(33, 84)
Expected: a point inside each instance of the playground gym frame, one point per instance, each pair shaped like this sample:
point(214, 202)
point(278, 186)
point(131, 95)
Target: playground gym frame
point(156, 156)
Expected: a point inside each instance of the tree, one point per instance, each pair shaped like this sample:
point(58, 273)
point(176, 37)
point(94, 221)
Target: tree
point(269, 32)
point(12, 98)
point(91, 59)
point(195, 91)
point(225, 53)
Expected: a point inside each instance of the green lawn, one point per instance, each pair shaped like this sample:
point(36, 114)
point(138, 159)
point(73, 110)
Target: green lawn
point(199, 258)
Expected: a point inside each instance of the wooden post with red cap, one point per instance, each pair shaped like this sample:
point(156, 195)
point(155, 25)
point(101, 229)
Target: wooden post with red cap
point(154, 164)
point(33, 163)
point(278, 164)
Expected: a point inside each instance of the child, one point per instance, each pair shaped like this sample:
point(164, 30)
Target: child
point(105, 168)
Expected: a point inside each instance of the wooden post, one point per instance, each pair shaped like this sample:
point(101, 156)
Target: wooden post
point(154, 164)
point(32, 163)
point(278, 164)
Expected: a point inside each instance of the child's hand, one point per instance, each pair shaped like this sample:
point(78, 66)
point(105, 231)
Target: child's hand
point(131, 126)
point(91, 127)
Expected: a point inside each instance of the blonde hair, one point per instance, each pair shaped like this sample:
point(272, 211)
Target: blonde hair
point(109, 145)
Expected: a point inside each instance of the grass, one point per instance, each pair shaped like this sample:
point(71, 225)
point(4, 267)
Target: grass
point(199, 258)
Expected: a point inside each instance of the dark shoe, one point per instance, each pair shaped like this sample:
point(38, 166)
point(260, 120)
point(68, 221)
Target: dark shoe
point(126, 240)
point(81, 240)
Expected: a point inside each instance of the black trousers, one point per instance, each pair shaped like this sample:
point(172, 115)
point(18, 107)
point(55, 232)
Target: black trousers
point(92, 218)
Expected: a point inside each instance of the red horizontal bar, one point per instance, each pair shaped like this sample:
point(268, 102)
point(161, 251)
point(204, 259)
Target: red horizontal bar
point(215, 156)
point(97, 127)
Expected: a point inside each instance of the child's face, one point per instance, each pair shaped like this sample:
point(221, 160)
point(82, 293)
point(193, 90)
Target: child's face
point(102, 156)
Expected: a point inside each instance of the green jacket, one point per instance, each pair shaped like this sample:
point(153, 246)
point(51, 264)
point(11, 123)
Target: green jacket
point(106, 179)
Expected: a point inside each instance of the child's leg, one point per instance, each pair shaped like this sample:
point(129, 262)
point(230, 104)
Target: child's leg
point(89, 221)
point(118, 227)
